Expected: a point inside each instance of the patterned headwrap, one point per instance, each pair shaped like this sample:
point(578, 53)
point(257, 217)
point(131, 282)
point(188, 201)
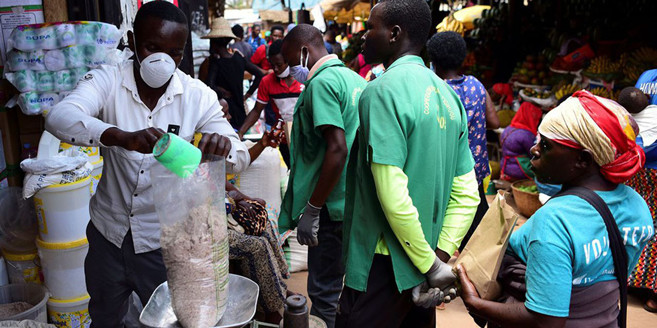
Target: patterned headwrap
point(600, 125)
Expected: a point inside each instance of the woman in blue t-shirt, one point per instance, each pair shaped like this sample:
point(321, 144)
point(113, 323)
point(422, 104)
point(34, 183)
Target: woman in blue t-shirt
point(585, 142)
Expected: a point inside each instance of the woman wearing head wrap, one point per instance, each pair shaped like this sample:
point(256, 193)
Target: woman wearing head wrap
point(517, 140)
point(501, 94)
point(585, 142)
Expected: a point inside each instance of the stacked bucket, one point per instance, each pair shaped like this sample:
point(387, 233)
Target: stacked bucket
point(62, 215)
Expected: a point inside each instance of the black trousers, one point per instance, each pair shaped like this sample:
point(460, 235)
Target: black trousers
point(112, 274)
point(382, 305)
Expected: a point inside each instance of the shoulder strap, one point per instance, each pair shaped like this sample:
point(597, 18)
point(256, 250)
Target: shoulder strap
point(615, 243)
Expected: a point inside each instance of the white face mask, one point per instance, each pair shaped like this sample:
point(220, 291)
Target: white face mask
point(285, 73)
point(300, 72)
point(156, 69)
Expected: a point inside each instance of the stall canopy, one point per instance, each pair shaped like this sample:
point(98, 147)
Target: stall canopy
point(339, 5)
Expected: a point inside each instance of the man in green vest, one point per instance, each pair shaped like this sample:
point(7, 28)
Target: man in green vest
point(325, 124)
point(411, 190)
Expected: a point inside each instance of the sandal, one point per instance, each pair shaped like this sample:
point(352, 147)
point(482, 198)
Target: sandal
point(648, 307)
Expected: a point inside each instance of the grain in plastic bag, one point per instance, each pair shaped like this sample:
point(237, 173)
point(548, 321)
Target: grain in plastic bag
point(194, 241)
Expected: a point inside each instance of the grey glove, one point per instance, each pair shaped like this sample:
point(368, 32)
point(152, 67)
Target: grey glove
point(427, 297)
point(440, 275)
point(450, 294)
point(308, 225)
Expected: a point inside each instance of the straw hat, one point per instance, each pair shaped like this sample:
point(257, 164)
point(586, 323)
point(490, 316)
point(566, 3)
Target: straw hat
point(220, 29)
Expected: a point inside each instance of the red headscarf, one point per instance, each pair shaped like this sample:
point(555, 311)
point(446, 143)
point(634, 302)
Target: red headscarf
point(603, 127)
point(527, 118)
point(504, 90)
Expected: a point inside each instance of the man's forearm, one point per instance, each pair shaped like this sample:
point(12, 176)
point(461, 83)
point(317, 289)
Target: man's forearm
point(71, 125)
point(461, 208)
point(334, 161)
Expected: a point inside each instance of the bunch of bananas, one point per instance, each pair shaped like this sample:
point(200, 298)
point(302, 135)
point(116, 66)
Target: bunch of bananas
point(602, 92)
point(603, 65)
point(644, 55)
point(450, 23)
point(566, 90)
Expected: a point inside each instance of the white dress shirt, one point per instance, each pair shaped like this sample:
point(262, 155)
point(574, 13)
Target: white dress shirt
point(108, 97)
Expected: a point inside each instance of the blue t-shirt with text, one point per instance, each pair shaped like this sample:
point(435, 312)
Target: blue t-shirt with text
point(647, 82)
point(565, 244)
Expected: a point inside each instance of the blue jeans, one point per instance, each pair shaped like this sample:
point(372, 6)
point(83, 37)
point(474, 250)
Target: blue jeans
point(325, 269)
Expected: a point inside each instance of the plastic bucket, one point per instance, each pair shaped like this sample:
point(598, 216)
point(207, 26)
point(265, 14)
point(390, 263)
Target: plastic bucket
point(33, 294)
point(63, 211)
point(92, 152)
point(63, 268)
point(23, 268)
point(72, 313)
point(96, 174)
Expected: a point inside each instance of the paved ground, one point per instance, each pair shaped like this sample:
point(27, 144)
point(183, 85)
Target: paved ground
point(455, 314)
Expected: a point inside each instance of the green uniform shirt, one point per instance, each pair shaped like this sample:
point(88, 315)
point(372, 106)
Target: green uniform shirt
point(330, 98)
point(411, 119)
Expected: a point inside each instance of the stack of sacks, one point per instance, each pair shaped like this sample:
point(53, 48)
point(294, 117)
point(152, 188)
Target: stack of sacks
point(45, 61)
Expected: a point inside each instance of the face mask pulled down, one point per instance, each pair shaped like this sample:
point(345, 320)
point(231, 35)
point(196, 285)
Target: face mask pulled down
point(285, 73)
point(156, 69)
point(300, 72)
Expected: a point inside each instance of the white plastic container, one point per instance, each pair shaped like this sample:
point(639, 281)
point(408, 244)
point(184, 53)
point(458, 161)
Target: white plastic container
point(23, 268)
point(92, 152)
point(96, 174)
point(72, 313)
point(63, 211)
point(33, 294)
point(63, 268)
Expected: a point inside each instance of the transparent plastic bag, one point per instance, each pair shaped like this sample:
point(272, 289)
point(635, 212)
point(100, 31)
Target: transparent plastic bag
point(18, 223)
point(194, 241)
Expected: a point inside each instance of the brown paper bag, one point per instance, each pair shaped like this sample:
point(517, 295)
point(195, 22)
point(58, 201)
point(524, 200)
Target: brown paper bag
point(483, 254)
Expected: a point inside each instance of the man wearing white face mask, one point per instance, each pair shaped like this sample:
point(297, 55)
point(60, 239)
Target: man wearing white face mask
point(280, 90)
point(125, 109)
point(325, 124)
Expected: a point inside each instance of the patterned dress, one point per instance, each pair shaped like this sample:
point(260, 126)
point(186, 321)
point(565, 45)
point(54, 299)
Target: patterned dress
point(473, 96)
point(644, 274)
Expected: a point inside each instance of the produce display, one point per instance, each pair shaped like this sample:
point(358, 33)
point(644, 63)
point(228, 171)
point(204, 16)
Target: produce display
point(450, 23)
point(533, 93)
point(533, 71)
point(566, 90)
point(533, 189)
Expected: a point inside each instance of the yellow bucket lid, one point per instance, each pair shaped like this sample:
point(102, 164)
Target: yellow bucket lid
point(73, 300)
point(71, 244)
point(18, 257)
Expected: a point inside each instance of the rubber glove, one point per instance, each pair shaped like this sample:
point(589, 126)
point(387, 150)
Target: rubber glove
point(427, 297)
point(308, 226)
point(440, 274)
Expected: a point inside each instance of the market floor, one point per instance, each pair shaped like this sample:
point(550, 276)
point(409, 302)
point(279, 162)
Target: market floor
point(455, 314)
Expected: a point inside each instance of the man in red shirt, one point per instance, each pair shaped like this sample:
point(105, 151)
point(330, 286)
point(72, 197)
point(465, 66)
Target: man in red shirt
point(259, 57)
point(279, 90)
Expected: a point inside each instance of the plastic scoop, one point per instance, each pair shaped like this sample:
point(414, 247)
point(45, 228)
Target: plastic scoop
point(177, 155)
